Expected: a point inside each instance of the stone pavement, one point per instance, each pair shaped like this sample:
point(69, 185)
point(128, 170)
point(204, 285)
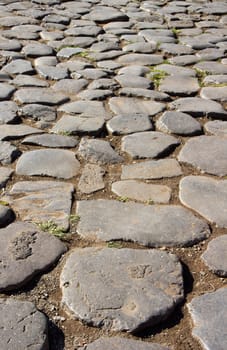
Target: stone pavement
point(113, 154)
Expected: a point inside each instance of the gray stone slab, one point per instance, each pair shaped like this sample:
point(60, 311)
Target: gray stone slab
point(106, 14)
point(98, 151)
point(216, 127)
point(50, 140)
point(38, 111)
point(178, 123)
point(85, 109)
point(70, 86)
point(98, 94)
point(125, 105)
point(8, 152)
point(145, 292)
point(117, 343)
point(127, 80)
point(75, 125)
point(140, 59)
point(5, 174)
point(215, 256)
point(10, 45)
point(24, 253)
point(18, 316)
point(215, 79)
point(152, 169)
point(8, 112)
point(39, 95)
point(6, 91)
point(52, 73)
point(210, 320)
point(138, 92)
point(27, 80)
point(91, 179)
point(37, 49)
point(8, 132)
point(207, 153)
point(141, 191)
point(198, 107)
point(128, 124)
point(211, 67)
point(6, 215)
point(48, 162)
point(42, 201)
point(218, 93)
point(179, 85)
point(206, 196)
point(19, 66)
point(148, 144)
point(175, 70)
point(149, 225)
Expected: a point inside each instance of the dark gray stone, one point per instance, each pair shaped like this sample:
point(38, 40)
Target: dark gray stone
point(23, 253)
point(178, 123)
point(156, 226)
point(215, 256)
point(128, 124)
point(37, 49)
point(18, 316)
point(38, 112)
point(140, 59)
point(85, 109)
point(27, 80)
point(6, 215)
point(146, 291)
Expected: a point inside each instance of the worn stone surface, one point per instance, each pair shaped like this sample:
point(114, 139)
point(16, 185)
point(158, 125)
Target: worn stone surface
point(216, 127)
point(209, 318)
point(16, 316)
point(215, 255)
point(153, 278)
point(8, 152)
point(9, 132)
point(153, 225)
point(124, 105)
point(91, 179)
point(5, 174)
point(76, 125)
point(53, 141)
point(179, 85)
point(179, 123)
point(23, 253)
point(39, 95)
point(128, 124)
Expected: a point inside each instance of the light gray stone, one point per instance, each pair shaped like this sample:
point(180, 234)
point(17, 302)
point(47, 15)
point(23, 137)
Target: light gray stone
point(178, 123)
point(98, 151)
point(206, 196)
point(53, 141)
point(5, 174)
point(48, 162)
point(19, 66)
point(6, 91)
point(39, 95)
point(134, 289)
point(70, 86)
point(216, 127)
point(85, 109)
point(91, 179)
point(8, 132)
point(128, 124)
point(37, 49)
point(24, 254)
point(38, 111)
point(125, 105)
point(211, 67)
point(29, 81)
point(75, 125)
point(209, 317)
point(207, 153)
point(8, 152)
point(179, 85)
point(106, 14)
point(140, 59)
point(156, 225)
point(215, 255)
point(18, 316)
point(218, 93)
point(8, 112)
point(148, 144)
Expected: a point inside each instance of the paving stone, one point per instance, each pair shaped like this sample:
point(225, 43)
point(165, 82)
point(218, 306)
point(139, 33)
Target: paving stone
point(127, 80)
point(10, 45)
point(9, 132)
point(6, 215)
point(18, 315)
point(37, 49)
point(19, 66)
point(5, 174)
point(206, 196)
point(209, 318)
point(148, 144)
point(91, 179)
point(98, 94)
point(8, 112)
point(139, 47)
point(27, 80)
point(134, 70)
point(117, 343)
point(175, 49)
point(38, 112)
point(48, 162)
point(106, 14)
point(154, 279)
point(216, 127)
point(104, 83)
point(8, 152)
point(136, 92)
point(98, 151)
point(6, 91)
point(128, 124)
point(211, 67)
point(215, 255)
point(175, 70)
point(13, 33)
point(39, 95)
point(45, 61)
point(156, 225)
point(178, 123)
point(183, 60)
point(85, 109)
point(70, 86)
point(207, 153)
point(24, 254)
point(198, 107)
point(124, 105)
point(140, 59)
point(75, 125)
point(215, 79)
point(210, 54)
point(52, 73)
point(141, 191)
point(42, 201)
point(152, 169)
point(214, 93)
point(179, 85)
point(49, 140)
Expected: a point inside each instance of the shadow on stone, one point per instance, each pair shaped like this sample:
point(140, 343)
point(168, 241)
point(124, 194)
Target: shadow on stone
point(56, 337)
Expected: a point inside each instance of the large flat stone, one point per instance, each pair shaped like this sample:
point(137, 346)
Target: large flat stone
point(85, 109)
point(39, 95)
point(8, 132)
point(23, 254)
point(206, 196)
point(50, 162)
point(133, 289)
point(215, 256)
point(91, 179)
point(42, 201)
point(150, 225)
point(178, 123)
point(22, 326)
point(179, 85)
point(207, 153)
point(125, 105)
point(210, 319)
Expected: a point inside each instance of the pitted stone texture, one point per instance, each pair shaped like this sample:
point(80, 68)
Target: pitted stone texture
point(141, 191)
point(38, 111)
point(50, 162)
point(149, 225)
point(214, 93)
point(128, 124)
point(9, 132)
point(124, 105)
point(210, 320)
point(53, 141)
point(76, 125)
point(39, 95)
point(179, 85)
point(91, 179)
point(207, 153)
point(178, 123)
point(149, 144)
point(215, 256)
point(22, 326)
point(216, 127)
point(152, 169)
point(198, 107)
point(42, 201)
point(206, 196)
point(98, 151)
point(5, 174)
point(117, 343)
point(23, 253)
point(145, 292)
